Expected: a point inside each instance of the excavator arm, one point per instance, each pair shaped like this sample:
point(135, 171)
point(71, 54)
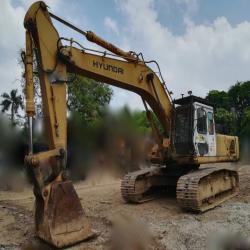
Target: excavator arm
point(59, 216)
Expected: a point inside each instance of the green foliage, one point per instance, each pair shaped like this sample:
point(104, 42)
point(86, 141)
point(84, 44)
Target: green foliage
point(225, 117)
point(125, 121)
point(219, 99)
point(232, 108)
point(246, 123)
point(88, 98)
point(139, 119)
point(239, 96)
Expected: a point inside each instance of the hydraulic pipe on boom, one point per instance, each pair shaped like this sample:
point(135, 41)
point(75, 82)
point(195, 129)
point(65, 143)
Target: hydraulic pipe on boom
point(92, 37)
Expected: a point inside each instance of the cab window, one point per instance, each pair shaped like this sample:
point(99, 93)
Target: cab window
point(210, 123)
point(201, 121)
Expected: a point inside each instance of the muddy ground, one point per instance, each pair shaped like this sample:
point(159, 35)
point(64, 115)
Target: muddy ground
point(161, 220)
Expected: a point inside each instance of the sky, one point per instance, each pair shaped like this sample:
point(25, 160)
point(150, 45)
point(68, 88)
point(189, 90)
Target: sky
point(199, 44)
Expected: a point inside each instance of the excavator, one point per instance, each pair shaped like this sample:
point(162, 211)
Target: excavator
point(189, 138)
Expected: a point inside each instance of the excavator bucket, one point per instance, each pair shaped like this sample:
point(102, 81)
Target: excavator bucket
point(59, 216)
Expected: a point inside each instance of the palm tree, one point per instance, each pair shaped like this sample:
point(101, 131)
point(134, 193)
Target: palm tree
point(12, 102)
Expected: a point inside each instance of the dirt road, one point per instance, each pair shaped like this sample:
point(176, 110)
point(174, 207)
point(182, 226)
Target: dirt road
point(169, 227)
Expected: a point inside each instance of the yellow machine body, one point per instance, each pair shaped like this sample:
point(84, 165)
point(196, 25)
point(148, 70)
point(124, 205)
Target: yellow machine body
point(60, 219)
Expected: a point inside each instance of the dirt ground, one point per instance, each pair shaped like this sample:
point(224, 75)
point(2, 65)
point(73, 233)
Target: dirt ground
point(161, 220)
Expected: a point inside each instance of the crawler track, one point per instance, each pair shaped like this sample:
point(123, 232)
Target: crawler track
point(204, 189)
point(135, 185)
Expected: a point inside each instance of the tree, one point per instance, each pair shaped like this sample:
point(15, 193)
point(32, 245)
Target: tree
point(219, 99)
point(88, 98)
point(225, 121)
point(230, 107)
point(12, 102)
point(239, 96)
point(245, 136)
point(246, 123)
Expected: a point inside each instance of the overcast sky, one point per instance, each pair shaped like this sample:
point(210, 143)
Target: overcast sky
point(199, 44)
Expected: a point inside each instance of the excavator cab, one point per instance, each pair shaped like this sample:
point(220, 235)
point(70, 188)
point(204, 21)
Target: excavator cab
point(194, 132)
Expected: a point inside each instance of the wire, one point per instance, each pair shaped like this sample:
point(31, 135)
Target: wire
point(104, 53)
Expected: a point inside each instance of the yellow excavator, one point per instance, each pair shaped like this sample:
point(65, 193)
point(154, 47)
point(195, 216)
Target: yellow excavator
point(189, 137)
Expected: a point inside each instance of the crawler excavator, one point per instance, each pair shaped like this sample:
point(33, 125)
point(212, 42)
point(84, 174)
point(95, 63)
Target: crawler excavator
point(189, 137)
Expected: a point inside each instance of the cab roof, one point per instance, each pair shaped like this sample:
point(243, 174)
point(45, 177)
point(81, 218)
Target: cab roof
point(190, 100)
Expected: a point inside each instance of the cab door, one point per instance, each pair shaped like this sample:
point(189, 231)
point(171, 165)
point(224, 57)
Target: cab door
point(204, 130)
point(211, 136)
